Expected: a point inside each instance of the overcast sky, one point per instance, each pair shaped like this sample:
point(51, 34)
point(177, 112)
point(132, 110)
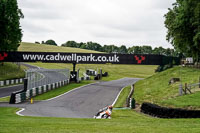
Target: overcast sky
point(119, 22)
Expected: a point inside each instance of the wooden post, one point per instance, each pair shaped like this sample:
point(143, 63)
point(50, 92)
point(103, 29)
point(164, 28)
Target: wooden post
point(180, 90)
point(185, 88)
point(199, 82)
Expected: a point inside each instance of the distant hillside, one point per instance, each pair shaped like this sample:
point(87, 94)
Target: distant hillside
point(32, 47)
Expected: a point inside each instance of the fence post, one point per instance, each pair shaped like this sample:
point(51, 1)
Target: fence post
point(180, 90)
point(199, 82)
point(101, 73)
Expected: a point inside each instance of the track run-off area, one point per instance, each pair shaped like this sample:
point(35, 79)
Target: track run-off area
point(82, 102)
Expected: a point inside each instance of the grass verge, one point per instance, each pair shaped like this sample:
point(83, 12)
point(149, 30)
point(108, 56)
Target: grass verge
point(5, 99)
point(121, 102)
point(122, 121)
point(11, 71)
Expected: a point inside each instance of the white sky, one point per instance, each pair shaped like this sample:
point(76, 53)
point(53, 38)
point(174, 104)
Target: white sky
point(119, 22)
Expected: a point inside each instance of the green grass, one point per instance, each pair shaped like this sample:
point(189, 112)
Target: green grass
point(114, 71)
point(32, 47)
point(188, 101)
point(61, 90)
point(123, 121)
point(155, 89)
point(11, 71)
point(5, 99)
point(121, 102)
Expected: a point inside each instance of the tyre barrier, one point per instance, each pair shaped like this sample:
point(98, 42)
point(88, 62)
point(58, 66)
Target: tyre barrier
point(98, 77)
point(105, 74)
point(91, 72)
point(163, 112)
point(21, 96)
point(11, 82)
point(86, 77)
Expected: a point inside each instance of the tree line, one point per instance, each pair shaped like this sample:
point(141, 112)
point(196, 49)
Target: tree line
point(122, 49)
point(115, 49)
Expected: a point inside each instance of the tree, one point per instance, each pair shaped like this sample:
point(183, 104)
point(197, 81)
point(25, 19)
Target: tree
point(146, 49)
point(93, 46)
point(159, 51)
point(123, 50)
point(51, 42)
point(70, 44)
point(37, 42)
point(137, 50)
point(10, 30)
point(183, 24)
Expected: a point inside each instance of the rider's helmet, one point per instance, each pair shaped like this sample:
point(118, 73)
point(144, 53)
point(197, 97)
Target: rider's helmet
point(110, 107)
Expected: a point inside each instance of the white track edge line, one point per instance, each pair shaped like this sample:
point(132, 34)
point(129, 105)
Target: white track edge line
point(18, 112)
point(117, 96)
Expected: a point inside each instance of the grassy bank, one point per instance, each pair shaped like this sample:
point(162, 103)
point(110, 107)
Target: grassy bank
point(155, 89)
point(32, 47)
point(11, 71)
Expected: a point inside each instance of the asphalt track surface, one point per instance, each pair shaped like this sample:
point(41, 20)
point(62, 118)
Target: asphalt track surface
point(52, 77)
point(6, 91)
point(83, 102)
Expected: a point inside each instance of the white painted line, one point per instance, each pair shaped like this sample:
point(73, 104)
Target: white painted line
point(121, 91)
point(117, 96)
point(69, 92)
point(18, 112)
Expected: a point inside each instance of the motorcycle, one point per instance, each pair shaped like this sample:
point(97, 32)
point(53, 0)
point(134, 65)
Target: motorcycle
point(104, 113)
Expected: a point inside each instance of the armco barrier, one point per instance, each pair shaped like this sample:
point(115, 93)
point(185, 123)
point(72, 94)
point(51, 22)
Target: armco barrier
point(18, 97)
point(163, 112)
point(11, 82)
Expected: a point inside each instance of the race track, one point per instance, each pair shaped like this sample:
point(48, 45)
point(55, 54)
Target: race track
point(79, 103)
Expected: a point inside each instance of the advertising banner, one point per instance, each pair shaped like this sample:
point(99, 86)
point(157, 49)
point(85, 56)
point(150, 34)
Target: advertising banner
point(86, 58)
